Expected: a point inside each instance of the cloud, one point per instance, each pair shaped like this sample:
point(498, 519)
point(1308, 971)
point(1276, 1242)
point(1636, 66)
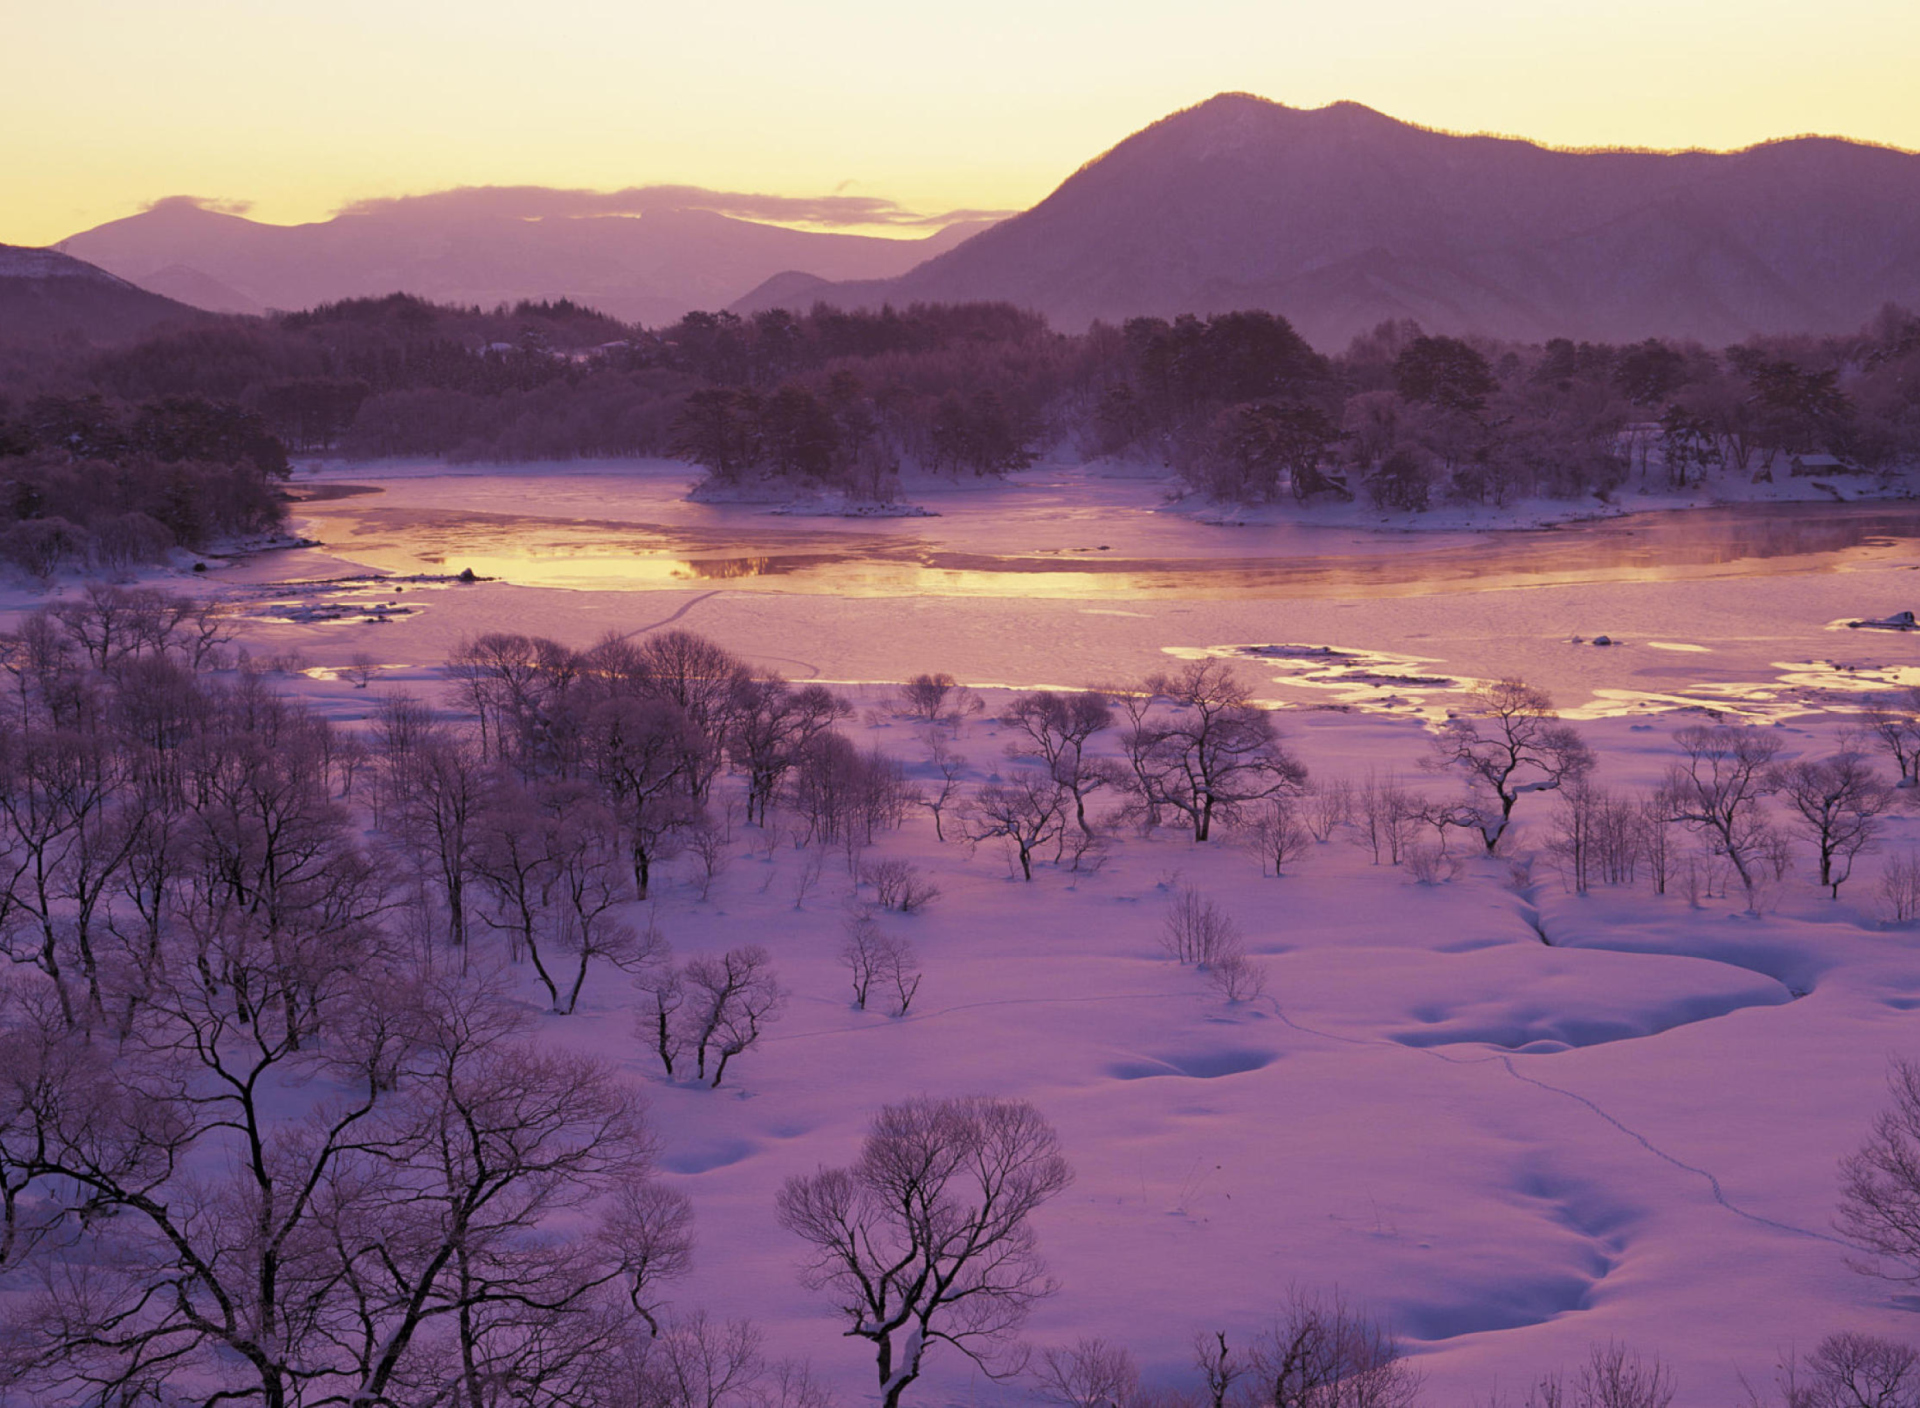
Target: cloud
point(546, 202)
point(218, 207)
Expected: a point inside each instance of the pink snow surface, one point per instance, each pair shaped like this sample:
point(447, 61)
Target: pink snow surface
point(1509, 1150)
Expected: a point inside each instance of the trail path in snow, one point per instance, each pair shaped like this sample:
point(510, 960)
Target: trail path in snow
point(669, 619)
point(1505, 1062)
point(1711, 1179)
point(813, 670)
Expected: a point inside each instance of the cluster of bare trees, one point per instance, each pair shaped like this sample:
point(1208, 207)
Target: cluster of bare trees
point(641, 730)
point(1320, 1350)
point(1193, 748)
point(1729, 790)
point(877, 961)
point(713, 1008)
point(289, 1174)
point(1198, 746)
point(1722, 792)
point(1192, 745)
point(1197, 931)
point(270, 1129)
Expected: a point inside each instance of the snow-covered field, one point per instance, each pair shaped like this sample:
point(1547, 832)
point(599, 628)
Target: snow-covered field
point(1513, 1121)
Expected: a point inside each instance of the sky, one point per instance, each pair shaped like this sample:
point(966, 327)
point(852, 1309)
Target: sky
point(293, 110)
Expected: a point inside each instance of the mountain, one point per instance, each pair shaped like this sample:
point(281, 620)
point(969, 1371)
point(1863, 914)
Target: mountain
point(49, 297)
point(188, 285)
point(1340, 217)
point(484, 246)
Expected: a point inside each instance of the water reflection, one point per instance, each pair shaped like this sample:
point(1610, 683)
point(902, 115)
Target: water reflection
point(531, 550)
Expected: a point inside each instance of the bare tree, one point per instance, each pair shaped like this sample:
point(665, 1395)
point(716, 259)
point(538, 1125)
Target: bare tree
point(665, 993)
point(728, 1000)
point(712, 853)
point(698, 1362)
point(435, 791)
point(900, 967)
point(112, 623)
point(62, 843)
point(1057, 729)
point(898, 884)
point(1838, 802)
point(928, 1238)
point(1389, 813)
point(1090, 1373)
point(860, 954)
point(1574, 840)
point(1656, 840)
point(949, 767)
point(1237, 977)
point(1220, 1368)
point(1213, 754)
point(692, 676)
point(497, 676)
point(1027, 810)
point(1276, 834)
point(1511, 744)
point(1880, 1184)
point(772, 725)
point(1614, 1376)
point(845, 795)
point(938, 698)
point(589, 884)
point(875, 958)
point(1847, 1370)
point(813, 864)
point(1716, 791)
point(517, 863)
point(1895, 721)
point(1195, 929)
point(648, 758)
point(1900, 887)
point(1320, 1352)
point(1328, 805)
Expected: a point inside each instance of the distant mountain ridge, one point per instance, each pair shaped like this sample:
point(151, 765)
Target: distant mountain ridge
point(485, 248)
point(49, 297)
point(1340, 217)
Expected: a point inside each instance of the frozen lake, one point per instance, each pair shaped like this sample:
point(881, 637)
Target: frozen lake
point(1068, 579)
point(1070, 536)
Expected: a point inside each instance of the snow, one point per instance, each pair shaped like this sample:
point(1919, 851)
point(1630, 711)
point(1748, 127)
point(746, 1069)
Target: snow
point(19, 262)
point(1509, 1148)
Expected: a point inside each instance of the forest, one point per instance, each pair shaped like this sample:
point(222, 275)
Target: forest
point(278, 1126)
point(1235, 406)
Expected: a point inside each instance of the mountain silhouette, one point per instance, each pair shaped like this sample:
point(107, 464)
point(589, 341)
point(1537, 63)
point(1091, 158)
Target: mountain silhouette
point(482, 246)
point(1340, 217)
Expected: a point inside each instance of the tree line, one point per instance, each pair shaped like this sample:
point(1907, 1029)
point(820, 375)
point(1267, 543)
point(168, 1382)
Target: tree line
point(91, 483)
point(1235, 405)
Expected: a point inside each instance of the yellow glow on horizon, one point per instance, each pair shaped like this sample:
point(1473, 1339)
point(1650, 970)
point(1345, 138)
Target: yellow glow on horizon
point(300, 108)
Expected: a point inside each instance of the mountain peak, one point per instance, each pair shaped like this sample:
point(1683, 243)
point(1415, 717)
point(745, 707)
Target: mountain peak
point(1340, 217)
point(1244, 124)
point(1224, 109)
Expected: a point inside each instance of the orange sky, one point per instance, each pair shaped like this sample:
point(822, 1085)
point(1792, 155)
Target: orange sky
point(299, 108)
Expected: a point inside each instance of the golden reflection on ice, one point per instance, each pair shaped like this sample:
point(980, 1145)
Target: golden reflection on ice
point(915, 558)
